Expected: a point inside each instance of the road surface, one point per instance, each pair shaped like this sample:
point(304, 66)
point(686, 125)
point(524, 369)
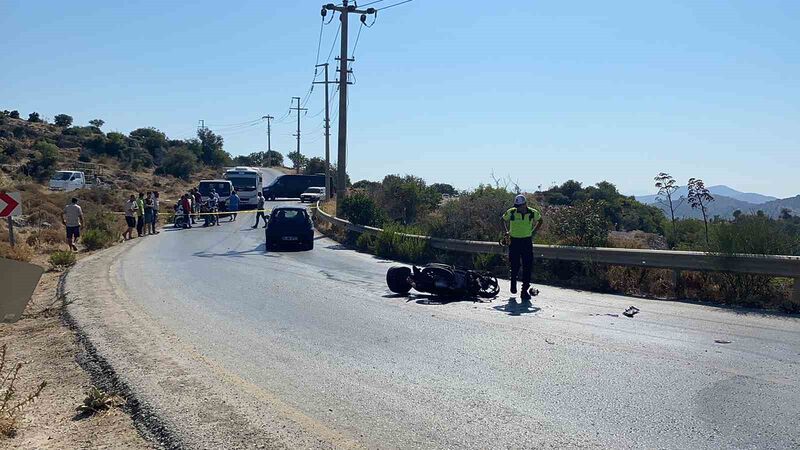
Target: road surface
point(316, 339)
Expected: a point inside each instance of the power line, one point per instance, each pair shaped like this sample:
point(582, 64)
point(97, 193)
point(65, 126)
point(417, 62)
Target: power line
point(392, 6)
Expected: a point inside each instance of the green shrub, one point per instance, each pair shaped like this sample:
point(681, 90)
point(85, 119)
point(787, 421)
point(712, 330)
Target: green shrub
point(61, 259)
point(96, 239)
point(582, 225)
point(360, 209)
point(365, 242)
point(392, 244)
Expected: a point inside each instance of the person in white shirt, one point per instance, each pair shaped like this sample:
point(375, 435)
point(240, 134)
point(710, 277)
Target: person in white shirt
point(130, 217)
point(72, 218)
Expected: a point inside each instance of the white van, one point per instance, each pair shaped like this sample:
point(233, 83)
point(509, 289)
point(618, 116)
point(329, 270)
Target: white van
point(248, 183)
point(67, 180)
point(223, 188)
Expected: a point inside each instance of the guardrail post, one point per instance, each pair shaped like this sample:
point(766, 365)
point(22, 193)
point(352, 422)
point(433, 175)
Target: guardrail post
point(796, 291)
point(677, 284)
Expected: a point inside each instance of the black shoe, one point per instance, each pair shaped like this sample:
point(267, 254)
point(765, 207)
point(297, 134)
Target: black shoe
point(513, 286)
point(526, 292)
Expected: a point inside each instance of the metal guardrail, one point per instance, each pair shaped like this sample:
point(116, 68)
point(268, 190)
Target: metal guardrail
point(771, 265)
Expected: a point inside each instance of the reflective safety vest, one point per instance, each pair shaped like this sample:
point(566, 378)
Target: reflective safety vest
point(521, 225)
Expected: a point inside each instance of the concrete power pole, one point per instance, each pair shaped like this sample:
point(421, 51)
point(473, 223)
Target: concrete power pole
point(328, 193)
point(341, 165)
point(298, 109)
point(269, 140)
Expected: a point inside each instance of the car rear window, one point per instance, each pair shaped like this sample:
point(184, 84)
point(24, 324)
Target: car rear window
point(290, 215)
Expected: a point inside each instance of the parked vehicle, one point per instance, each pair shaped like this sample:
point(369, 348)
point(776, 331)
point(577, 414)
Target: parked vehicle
point(442, 280)
point(312, 194)
point(289, 225)
point(68, 180)
point(247, 181)
point(223, 188)
point(292, 186)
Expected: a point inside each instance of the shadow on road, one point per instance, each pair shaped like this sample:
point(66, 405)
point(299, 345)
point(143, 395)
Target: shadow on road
point(512, 308)
point(260, 250)
point(428, 299)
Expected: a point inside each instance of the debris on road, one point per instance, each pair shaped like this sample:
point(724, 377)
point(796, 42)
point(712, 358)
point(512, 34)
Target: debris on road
point(721, 341)
point(631, 311)
point(549, 341)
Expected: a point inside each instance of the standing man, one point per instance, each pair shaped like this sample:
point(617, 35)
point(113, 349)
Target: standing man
point(156, 207)
point(140, 214)
point(233, 204)
point(186, 205)
point(260, 211)
point(130, 217)
point(72, 218)
point(521, 223)
point(148, 214)
point(197, 200)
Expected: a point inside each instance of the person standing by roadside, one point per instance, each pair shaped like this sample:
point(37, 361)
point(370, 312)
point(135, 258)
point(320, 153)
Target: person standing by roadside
point(233, 204)
point(197, 201)
point(186, 205)
point(72, 218)
point(521, 223)
point(148, 214)
point(140, 214)
point(130, 217)
point(156, 209)
point(260, 211)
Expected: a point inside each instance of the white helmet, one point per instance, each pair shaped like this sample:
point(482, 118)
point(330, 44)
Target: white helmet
point(520, 200)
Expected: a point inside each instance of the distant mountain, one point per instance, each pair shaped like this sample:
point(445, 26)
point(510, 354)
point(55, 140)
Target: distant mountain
point(749, 197)
point(724, 207)
point(716, 191)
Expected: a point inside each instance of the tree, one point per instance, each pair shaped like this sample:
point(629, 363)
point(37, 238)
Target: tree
point(179, 162)
point(63, 120)
point(97, 123)
point(298, 160)
point(786, 214)
point(34, 117)
point(153, 140)
point(666, 189)
point(314, 165)
point(699, 198)
point(273, 158)
point(43, 162)
point(211, 152)
point(444, 188)
point(14, 114)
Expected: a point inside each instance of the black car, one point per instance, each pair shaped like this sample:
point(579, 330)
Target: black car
point(292, 186)
point(290, 225)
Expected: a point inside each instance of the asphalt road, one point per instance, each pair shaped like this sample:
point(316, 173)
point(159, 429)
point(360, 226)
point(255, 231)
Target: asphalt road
point(320, 332)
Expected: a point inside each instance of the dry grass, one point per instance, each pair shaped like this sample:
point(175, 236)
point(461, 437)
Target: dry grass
point(20, 252)
point(11, 404)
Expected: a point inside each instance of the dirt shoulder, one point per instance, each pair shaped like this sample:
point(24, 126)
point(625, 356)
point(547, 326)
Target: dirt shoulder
point(50, 352)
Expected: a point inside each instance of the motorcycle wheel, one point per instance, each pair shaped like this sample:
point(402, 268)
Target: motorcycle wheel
point(397, 279)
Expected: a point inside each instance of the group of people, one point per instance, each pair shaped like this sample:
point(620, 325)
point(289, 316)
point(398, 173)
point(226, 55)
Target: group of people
point(141, 213)
point(191, 207)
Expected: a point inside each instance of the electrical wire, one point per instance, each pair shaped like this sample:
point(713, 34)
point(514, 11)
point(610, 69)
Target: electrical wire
point(392, 6)
point(234, 124)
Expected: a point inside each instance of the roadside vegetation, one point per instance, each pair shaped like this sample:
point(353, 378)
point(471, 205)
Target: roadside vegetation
point(576, 215)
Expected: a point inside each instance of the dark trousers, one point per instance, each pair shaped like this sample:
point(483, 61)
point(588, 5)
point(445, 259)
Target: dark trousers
point(260, 215)
point(139, 225)
point(520, 252)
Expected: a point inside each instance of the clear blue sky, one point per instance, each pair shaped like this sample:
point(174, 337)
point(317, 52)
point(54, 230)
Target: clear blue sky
point(450, 91)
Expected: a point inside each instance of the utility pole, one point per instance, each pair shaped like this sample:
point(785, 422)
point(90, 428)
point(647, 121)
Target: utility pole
point(328, 193)
point(298, 109)
point(201, 125)
point(341, 165)
point(269, 140)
